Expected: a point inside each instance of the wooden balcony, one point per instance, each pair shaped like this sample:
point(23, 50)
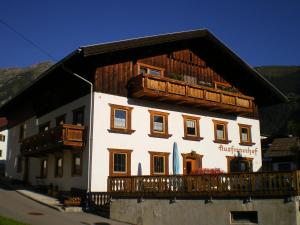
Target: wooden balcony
point(268, 184)
point(65, 136)
point(178, 92)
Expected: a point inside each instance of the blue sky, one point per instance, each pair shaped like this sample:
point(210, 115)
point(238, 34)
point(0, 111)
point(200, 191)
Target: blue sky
point(261, 32)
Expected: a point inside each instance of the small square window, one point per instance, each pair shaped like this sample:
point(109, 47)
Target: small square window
point(241, 217)
point(149, 69)
point(245, 135)
point(59, 167)
point(44, 168)
point(119, 162)
point(159, 163)
point(2, 137)
point(221, 133)
point(191, 128)
point(120, 119)
point(60, 120)
point(159, 124)
point(44, 127)
point(76, 164)
point(78, 116)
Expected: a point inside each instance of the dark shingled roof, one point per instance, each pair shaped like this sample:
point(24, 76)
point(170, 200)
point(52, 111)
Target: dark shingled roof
point(282, 147)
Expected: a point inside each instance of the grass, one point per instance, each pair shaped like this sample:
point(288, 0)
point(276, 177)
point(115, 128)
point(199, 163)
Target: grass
point(7, 221)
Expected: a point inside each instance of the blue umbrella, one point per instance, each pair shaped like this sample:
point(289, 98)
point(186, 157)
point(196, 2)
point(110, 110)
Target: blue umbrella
point(139, 172)
point(176, 166)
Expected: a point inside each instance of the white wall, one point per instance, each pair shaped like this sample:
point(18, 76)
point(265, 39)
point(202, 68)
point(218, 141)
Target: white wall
point(31, 128)
point(141, 143)
point(3, 146)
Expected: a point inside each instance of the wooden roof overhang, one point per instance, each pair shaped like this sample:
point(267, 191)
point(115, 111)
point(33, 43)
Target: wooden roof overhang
point(223, 60)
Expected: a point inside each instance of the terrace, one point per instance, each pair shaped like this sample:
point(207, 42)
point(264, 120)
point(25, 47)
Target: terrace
point(179, 92)
point(66, 136)
point(261, 184)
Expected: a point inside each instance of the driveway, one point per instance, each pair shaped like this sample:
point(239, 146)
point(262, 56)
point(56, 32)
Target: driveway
point(18, 207)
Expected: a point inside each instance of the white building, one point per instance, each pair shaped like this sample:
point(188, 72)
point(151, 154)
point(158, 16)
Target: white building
point(147, 94)
point(3, 145)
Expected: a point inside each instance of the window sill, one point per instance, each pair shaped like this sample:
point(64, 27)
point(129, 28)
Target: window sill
point(160, 135)
point(191, 138)
point(121, 131)
point(120, 175)
point(222, 141)
point(247, 144)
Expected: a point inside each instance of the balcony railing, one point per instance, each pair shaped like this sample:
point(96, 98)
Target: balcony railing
point(66, 136)
point(166, 89)
point(272, 184)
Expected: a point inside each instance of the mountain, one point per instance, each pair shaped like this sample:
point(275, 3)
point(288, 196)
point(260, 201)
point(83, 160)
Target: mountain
point(12, 80)
point(282, 119)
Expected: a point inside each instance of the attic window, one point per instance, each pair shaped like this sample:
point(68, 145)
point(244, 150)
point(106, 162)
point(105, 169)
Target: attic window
point(151, 70)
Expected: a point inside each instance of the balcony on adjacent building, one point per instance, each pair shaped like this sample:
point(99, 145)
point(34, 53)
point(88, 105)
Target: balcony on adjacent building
point(179, 92)
point(65, 136)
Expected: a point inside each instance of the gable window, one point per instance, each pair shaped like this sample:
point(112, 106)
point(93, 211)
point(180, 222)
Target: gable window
point(120, 119)
point(44, 127)
point(60, 120)
point(245, 134)
point(44, 168)
point(2, 137)
point(159, 163)
point(191, 128)
point(159, 124)
point(119, 162)
point(77, 164)
point(78, 116)
point(148, 69)
point(59, 167)
point(220, 131)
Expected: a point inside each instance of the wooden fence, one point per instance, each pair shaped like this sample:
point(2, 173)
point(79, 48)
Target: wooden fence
point(263, 184)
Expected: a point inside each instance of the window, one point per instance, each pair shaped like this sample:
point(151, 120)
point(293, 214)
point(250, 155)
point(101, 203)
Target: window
point(159, 163)
point(78, 116)
point(19, 164)
point(22, 132)
point(77, 164)
point(119, 162)
point(220, 130)
point(44, 168)
point(284, 166)
point(120, 119)
point(159, 124)
point(44, 127)
point(241, 217)
point(59, 167)
point(191, 128)
point(239, 164)
point(245, 134)
point(2, 137)
point(0, 153)
point(60, 120)
point(148, 69)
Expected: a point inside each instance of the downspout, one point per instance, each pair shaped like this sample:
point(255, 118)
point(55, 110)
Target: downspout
point(90, 137)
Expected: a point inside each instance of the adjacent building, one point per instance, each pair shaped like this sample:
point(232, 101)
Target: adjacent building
point(116, 109)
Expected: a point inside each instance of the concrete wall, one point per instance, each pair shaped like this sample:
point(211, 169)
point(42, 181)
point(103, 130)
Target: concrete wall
point(198, 212)
point(141, 143)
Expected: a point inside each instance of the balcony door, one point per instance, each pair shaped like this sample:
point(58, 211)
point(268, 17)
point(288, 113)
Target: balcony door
point(191, 162)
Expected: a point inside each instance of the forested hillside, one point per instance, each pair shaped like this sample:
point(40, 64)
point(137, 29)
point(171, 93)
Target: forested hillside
point(282, 119)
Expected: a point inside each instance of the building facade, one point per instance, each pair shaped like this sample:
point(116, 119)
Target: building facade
point(117, 109)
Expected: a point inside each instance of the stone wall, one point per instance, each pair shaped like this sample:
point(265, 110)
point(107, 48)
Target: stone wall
point(201, 212)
